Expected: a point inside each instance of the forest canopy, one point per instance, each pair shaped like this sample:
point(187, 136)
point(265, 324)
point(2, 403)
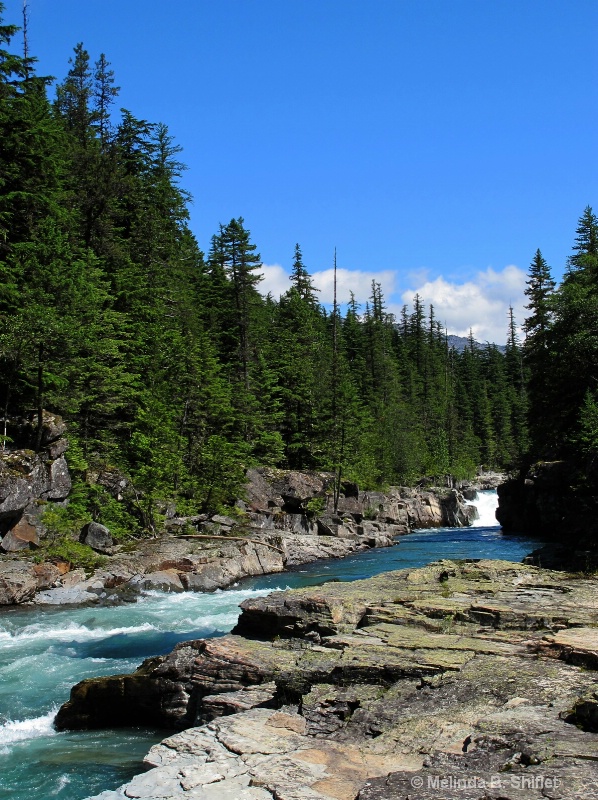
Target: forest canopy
point(170, 365)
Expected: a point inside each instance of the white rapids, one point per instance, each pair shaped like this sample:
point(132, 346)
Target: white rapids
point(486, 503)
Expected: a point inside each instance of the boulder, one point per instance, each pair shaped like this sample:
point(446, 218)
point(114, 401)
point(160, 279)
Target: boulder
point(53, 428)
point(224, 521)
point(46, 575)
point(57, 448)
point(298, 488)
point(544, 502)
point(112, 480)
point(457, 513)
point(26, 479)
point(289, 490)
point(97, 536)
point(23, 477)
point(21, 536)
point(25, 431)
point(167, 580)
point(60, 480)
point(17, 582)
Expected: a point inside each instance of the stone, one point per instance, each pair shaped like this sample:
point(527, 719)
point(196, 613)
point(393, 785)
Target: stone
point(113, 481)
point(66, 596)
point(46, 575)
point(221, 519)
point(60, 480)
point(165, 580)
point(26, 478)
point(456, 511)
point(547, 501)
point(23, 477)
point(17, 582)
point(57, 449)
point(97, 536)
point(72, 578)
point(21, 536)
point(53, 427)
point(286, 489)
point(221, 705)
point(378, 689)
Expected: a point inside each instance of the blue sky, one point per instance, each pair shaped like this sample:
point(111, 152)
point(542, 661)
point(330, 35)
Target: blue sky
point(435, 143)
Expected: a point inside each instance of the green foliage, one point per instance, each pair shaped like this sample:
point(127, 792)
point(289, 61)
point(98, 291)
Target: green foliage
point(587, 437)
point(315, 506)
point(371, 513)
point(78, 555)
point(175, 370)
point(66, 521)
point(562, 352)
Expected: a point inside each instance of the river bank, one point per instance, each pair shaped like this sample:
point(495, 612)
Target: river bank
point(284, 519)
point(382, 688)
point(46, 650)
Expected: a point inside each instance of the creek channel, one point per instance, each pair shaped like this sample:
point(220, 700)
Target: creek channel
point(45, 651)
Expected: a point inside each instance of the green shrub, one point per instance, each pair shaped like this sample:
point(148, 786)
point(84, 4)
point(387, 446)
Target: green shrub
point(315, 506)
point(74, 553)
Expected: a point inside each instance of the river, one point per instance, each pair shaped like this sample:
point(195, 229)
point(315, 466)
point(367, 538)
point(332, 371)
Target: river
point(44, 651)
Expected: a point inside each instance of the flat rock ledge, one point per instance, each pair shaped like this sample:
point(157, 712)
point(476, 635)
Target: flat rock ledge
point(472, 680)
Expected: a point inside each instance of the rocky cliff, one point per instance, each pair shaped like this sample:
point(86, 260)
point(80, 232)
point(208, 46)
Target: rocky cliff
point(550, 501)
point(284, 519)
point(474, 680)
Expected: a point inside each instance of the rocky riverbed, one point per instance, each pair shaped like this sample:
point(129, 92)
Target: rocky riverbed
point(282, 520)
point(473, 680)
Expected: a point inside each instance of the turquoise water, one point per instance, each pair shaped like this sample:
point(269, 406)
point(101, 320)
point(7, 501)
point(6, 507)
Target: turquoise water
point(44, 652)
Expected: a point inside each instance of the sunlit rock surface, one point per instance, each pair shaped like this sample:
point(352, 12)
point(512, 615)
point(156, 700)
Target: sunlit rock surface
point(380, 688)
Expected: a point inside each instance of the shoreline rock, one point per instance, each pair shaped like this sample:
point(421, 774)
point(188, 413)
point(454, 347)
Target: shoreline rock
point(549, 503)
point(376, 690)
point(286, 519)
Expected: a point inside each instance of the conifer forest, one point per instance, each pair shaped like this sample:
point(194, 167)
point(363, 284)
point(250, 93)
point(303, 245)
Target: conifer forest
point(170, 366)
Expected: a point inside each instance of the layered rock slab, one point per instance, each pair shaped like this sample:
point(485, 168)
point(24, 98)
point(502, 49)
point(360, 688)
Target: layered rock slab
point(381, 688)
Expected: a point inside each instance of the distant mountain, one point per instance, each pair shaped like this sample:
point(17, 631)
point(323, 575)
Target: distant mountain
point(460, 343)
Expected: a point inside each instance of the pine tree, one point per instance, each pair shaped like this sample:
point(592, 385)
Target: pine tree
point(540, 287)
point(74, 96)
point(565, 362)
point(104, 93)
point(301, 279)
point(241, 264)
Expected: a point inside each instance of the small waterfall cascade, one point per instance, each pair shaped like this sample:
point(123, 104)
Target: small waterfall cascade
point(486, 503)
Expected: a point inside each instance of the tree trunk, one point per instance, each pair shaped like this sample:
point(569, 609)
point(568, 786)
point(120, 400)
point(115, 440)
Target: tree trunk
point(40, 397)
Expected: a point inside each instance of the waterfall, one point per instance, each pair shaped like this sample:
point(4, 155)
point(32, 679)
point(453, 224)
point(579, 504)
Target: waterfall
point(486, 503)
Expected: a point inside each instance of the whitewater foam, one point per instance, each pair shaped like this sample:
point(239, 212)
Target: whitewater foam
point(14, 731)
point(63, 781)
point(70, 632)
point(486, 503)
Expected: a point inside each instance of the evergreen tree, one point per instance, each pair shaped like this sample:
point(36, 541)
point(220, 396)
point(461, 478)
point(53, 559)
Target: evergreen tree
point(564, 358)
point(104, 94)
point(301, 279)
point(540, 287)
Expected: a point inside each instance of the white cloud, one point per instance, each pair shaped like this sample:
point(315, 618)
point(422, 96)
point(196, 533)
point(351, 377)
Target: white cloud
point(481, 304)
point(352, 280)
point(275, 282)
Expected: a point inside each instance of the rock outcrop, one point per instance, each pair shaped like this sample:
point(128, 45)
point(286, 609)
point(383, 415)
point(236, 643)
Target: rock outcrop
point(28, 481)
point(395, 687)
point(285, 519)
point(549, 502)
